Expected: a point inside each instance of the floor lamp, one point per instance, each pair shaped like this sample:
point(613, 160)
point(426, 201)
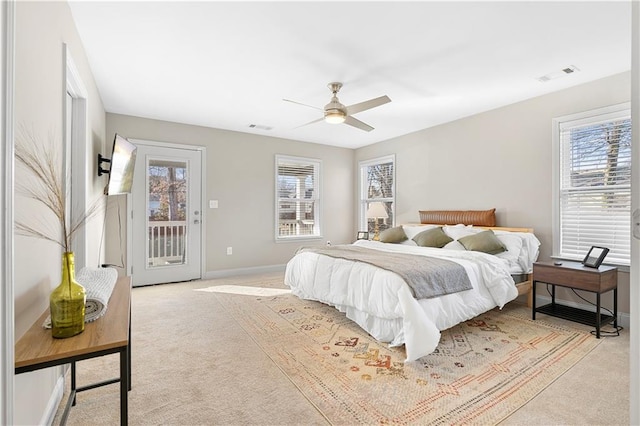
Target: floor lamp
point(377, 211)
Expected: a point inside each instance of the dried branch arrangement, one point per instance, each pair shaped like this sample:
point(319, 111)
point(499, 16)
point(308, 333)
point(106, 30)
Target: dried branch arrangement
point(45, 185)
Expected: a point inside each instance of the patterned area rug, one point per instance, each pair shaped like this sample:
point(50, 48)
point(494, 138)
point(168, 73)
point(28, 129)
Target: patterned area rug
point(481, 372)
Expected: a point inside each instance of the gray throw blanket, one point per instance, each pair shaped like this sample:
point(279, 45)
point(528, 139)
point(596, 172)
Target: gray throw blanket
point(99, 284)
point(427, 277)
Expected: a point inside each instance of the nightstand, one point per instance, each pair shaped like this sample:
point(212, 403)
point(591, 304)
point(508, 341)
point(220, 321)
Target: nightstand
point(577, 276)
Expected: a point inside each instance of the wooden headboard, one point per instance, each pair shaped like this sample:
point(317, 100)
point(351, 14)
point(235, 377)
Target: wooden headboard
point(454, 217)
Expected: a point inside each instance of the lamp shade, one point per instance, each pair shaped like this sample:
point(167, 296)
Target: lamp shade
point(377, 210)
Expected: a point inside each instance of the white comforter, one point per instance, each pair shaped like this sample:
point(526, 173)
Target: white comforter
point(381, 302)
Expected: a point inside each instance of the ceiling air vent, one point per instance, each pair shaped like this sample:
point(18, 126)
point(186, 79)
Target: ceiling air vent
point(259, 127)
point(557, 74)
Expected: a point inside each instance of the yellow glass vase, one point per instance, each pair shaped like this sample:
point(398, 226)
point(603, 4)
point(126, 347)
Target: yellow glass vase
point(67, 302)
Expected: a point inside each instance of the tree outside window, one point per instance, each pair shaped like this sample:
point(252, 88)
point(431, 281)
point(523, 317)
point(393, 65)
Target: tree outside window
point(167, 193)
point(377, 185)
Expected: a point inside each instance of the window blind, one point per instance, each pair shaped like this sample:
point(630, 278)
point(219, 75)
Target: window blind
point(297, 197)
point(595, 187)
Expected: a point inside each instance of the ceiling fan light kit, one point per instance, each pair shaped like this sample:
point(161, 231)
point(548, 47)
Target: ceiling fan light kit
point(336, 113)
point(334, 116)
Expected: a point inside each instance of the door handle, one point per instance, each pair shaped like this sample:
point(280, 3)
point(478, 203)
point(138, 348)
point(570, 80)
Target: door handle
point(196, 221)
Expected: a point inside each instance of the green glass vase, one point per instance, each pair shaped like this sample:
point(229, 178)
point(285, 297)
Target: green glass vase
point(67, 302)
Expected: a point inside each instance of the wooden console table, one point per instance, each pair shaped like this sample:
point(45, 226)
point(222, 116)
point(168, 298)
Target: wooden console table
point(577, 276)
point(109, 334)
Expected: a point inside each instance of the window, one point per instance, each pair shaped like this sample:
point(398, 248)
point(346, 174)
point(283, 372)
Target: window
point(297, 198)
point(592, 151)
point(377, 185)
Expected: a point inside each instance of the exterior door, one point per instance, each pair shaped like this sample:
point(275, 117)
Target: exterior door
point(167, 214)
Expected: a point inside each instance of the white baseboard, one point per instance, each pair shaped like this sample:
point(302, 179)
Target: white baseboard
point(624, 318)
point(243, 271)
point(54, 402)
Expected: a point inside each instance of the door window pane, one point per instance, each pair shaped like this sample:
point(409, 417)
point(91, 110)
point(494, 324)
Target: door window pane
point(167, 213)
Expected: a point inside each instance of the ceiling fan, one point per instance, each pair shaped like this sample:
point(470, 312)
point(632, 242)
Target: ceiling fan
point(335, 112)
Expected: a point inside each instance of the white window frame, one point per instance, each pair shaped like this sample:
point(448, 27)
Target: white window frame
point(364, 200)
point(610, 113)
point(317, 198)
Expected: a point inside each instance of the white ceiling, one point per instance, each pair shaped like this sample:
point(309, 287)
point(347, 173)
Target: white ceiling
point(228, 65)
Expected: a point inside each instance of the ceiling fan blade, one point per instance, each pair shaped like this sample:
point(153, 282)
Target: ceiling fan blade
point(351, 121)
point(371, 103)
point(300, 103)
point(311, 122)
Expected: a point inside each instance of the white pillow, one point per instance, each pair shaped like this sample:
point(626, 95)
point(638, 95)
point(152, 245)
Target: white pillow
point(458, 231)
point(454, 245)
point(529, 251)
point(413, 230)
point(513, 243)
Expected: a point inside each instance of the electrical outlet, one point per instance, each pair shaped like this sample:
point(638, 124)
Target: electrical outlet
point(229, 251)
point(328, 243)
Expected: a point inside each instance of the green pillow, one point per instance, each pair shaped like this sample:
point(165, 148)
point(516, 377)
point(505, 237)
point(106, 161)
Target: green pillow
point(393, 235)
point(485, 241)
point(434, 237)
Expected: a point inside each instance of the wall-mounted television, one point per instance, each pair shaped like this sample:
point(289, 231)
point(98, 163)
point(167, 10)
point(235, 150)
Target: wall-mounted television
point(122, 164)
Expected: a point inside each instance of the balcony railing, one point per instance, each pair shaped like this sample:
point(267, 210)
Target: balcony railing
point(167, 242)
point(168, 239)
point(295, 227)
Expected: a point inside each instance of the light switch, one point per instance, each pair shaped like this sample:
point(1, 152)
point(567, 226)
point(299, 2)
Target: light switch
point(213, 204)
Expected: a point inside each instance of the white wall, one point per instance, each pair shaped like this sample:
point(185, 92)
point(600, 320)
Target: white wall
point(42, 29)
point(500, 158)
point(240, 171)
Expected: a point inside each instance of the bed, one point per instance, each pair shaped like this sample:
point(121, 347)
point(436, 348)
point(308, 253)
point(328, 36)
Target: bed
point(380, 301)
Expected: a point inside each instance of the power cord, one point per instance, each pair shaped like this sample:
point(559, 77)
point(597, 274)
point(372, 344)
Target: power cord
point(104, 225)
point(603, 333)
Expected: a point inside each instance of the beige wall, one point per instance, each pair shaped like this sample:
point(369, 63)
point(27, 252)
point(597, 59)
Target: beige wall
point(42, 28)
point(240, 171)
point(500, 158)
